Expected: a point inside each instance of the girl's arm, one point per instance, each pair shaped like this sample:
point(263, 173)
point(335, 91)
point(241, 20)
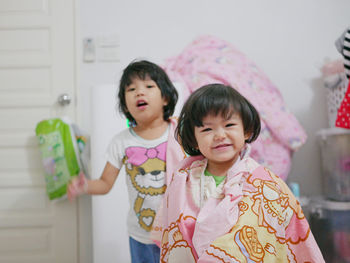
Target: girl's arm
point(104, 184)
point(80, 185)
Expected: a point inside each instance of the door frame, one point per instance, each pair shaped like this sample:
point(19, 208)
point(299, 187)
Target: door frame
point(84, 214)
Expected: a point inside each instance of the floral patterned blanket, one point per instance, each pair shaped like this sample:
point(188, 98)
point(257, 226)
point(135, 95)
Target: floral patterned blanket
point(250, 217)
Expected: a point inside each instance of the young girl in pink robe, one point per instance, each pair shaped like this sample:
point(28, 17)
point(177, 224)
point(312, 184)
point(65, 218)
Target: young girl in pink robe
point(222, 206)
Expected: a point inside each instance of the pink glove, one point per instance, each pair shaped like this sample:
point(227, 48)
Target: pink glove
point(77, 186)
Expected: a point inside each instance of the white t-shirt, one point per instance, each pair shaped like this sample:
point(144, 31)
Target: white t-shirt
point(144, 162)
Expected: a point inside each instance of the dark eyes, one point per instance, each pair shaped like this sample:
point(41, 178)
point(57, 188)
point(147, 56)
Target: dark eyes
point(227, 126)
point(133, 89)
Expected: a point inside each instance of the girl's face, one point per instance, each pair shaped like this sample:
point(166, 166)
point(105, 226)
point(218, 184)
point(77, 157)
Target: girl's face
point(144, 100)
point(220, 140)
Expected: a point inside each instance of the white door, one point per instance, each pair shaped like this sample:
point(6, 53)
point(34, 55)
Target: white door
point(37, 64)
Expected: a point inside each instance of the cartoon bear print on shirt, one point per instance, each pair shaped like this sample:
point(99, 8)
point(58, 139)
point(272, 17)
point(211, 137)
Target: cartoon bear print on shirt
point(146, 168)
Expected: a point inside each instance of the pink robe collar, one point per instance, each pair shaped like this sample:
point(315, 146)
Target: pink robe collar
point(219, 205)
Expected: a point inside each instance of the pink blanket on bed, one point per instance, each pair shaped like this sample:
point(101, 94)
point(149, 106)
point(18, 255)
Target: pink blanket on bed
point(211, 60)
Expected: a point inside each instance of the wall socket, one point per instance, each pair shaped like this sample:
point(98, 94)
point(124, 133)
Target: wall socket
point(102, 48)
point(89, 50)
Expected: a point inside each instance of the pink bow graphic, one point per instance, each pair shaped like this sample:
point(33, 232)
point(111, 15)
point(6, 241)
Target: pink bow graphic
point(139, 155)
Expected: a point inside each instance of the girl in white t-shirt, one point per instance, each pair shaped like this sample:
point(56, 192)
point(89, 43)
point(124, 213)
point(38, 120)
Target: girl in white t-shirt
point(147, 98)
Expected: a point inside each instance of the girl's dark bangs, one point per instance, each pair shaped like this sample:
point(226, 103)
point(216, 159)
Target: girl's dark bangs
point(141, 74)
point(223, 106)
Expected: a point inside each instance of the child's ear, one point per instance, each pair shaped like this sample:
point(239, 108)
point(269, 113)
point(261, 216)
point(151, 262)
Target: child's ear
point(247, 136)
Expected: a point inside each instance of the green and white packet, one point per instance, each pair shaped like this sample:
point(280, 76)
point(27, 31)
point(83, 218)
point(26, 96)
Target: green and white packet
point(60, 155)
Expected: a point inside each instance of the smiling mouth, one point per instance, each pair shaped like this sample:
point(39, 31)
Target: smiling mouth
point(222, 146)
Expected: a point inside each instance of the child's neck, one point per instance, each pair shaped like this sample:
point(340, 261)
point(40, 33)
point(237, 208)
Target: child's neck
point(217, 171)
point(151, 130)
point(220, 169)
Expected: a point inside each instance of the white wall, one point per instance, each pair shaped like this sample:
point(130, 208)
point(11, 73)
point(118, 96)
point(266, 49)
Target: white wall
point(288, 40)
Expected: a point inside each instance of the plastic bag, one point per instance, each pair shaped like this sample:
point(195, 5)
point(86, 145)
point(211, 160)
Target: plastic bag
point(83, 142)
point(60, 155)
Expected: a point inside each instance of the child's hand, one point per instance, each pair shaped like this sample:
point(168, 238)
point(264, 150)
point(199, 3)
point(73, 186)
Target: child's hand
point(77, 186)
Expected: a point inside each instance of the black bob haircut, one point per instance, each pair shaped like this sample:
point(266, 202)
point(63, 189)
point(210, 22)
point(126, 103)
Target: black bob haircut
point(214, 99)
point(143, 69)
